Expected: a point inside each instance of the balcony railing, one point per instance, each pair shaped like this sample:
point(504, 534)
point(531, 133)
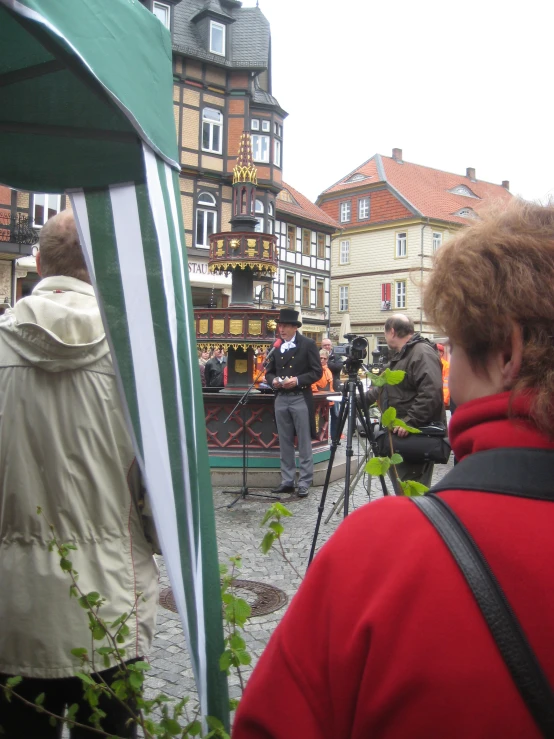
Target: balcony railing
point(17, 229)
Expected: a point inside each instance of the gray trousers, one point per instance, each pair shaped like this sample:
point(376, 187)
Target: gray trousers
point(292, 417)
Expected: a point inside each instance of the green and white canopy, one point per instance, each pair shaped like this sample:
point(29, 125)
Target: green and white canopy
point(86, 107)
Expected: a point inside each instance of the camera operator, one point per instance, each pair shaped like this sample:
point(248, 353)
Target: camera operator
point(418, 399)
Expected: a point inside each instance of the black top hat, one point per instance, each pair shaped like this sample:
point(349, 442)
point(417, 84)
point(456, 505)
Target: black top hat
point(286, 315)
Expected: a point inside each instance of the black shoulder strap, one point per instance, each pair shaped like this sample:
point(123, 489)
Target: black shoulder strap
point(528, 473)
point(506, 630)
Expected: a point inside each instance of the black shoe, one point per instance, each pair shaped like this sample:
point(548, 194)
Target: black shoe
point(303, 492)
point(283, 489)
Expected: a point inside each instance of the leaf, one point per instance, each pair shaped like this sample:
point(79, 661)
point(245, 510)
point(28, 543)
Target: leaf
point(79, 652)
point(393, 377)
point(234, 703)
point(243, 657)
point(388, 417)
point(39, 700)
point(135, 680)
point(277, 527)
point(267, 542)
point(377, 466)
point(378, 380)
point(225, 661)
point(396, 458)
point(237, 642)
point(412, 488)
point(66, 564)
point(72, 710)
point(223, 569)
point(171, 726)
point(214, 723)
point(98, 632)
point(194, 728)
point(142, 666)
point(281, 509)
point(401, 424)
point(11, 682)
point(85, 678)
point(73, 592)
point(53, 721)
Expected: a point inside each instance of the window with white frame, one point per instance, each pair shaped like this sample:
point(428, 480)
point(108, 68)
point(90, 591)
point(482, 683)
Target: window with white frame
point(363, 209)
point(289, 295)
point(305, 291)
point(291, 238)
point(260, 148)
point(259, 208)
point(319, 294)
point(343, 298)
point(321, 246)
point(217, 38)
point(45, 205)
point(162, 12)
point(345, 211)
point(206, 219)
point(277, 153)
point(255, 124)
point(400, 294)
point(212, 125)
point(344, 254)
point(266, 126)
point(437, 240)
point(401, 244)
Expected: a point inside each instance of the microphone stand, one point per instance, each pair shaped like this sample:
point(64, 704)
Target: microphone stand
point(242, 403)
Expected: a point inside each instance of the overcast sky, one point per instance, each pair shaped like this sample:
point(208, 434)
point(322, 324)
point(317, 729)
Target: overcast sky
point(454, 85)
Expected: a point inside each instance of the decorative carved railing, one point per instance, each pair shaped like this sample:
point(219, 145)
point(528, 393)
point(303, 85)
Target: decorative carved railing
point(231, 250)
point(239, 328)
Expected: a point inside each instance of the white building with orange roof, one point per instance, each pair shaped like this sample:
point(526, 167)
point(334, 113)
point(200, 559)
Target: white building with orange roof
point(393, 216)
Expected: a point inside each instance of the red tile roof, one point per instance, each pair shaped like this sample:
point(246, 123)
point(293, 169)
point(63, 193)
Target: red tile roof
point(302, 208)
point(425, 189)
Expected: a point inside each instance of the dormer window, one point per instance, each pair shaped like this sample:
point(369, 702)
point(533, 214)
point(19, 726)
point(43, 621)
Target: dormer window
point(463, 190)
point(466, 213)
point(162, 13)
point(217, 38)
point(356, 178)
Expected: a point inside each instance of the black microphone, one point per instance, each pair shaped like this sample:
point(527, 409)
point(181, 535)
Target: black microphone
point(277, 343)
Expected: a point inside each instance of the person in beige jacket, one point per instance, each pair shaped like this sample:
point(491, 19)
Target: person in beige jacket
point(64, 446)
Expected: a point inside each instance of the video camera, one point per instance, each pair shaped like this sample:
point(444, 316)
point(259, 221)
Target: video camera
point(354, 352)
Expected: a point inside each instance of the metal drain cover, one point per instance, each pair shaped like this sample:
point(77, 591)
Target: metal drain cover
point(266, 597)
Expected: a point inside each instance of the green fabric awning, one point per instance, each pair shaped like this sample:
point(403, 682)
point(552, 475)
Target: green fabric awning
point(86, 107)
point(73, 108)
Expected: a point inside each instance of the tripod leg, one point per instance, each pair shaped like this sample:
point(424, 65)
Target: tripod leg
point(335, 442)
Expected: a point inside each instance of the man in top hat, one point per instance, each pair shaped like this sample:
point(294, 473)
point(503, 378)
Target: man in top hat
point(291, 370)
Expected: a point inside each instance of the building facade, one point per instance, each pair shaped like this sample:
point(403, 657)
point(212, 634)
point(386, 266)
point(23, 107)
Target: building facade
point(303, 280)
point(393, 216)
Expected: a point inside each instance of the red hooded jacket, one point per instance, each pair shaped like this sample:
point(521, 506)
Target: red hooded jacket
point(384, 639)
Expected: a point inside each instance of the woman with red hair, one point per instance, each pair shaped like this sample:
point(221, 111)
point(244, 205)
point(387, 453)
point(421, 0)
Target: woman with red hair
point(385, 639)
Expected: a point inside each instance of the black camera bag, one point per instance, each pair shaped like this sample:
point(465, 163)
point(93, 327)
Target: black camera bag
point(431, 445)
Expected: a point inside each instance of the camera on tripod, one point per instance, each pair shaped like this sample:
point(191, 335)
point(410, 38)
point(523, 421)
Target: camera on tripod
point(355, 351)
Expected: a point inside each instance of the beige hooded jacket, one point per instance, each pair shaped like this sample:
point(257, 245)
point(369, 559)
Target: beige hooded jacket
point(64, 447)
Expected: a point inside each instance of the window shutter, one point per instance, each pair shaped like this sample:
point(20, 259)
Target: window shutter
point(386, 289)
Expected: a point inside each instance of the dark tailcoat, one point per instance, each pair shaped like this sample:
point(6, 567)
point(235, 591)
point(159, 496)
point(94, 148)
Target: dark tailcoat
point(302, 362)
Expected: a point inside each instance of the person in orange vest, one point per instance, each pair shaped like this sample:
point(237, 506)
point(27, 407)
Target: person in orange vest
point(326, 380)
point(445, 374)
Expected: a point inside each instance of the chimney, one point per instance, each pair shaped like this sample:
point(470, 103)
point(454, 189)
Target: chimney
point(506, 185)
point(397, 155)
point(470, 173)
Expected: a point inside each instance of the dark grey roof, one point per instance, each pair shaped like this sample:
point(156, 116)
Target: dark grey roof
point(249, 35)
point(261, 97)
point(213, 7)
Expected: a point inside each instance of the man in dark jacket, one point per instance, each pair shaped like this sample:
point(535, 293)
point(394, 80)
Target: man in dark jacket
point(418, 399)
point(214, 369)
point(291, 370)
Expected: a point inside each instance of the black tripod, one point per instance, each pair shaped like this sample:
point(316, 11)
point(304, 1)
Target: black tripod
point(244, 491)
point(352, 405)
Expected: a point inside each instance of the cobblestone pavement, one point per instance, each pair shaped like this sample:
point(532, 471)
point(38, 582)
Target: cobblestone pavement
point(239, 532)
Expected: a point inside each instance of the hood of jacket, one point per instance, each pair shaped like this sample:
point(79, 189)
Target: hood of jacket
point(58, 327)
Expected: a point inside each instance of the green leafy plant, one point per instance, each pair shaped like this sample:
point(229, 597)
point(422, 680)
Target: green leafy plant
point(378, 466)
point(236, 611)
point(160, 716)
point(273, 519)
